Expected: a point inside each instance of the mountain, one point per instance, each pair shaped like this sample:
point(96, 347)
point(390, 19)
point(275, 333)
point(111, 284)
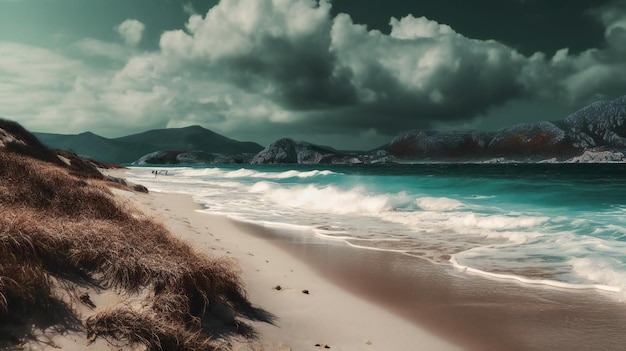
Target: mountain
point(86, 144)
point(130, 148)
point(601, 124)
point(291, 151)
point(596, 133)
point(599, 128)
point(435, 144)
point(173, 157)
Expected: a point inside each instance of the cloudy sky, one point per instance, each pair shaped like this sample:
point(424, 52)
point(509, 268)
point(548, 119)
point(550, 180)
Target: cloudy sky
point(346, 73)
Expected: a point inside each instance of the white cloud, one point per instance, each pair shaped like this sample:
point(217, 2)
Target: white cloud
point(131, 31)
point(593, 74)
point(239, 27)
point(101, 49)
point(423, 64)
point(31, 78)
point(410, 27)
point(560, 55)
point(45, 90)
point(615, 32)
point(283, 66)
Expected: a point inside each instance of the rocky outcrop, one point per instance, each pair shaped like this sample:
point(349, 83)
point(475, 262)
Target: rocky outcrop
point(590, 156)
point(601, 124)
point(290, 151)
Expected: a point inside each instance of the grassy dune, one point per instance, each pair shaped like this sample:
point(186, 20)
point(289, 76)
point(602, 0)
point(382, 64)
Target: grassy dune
point(58, 227)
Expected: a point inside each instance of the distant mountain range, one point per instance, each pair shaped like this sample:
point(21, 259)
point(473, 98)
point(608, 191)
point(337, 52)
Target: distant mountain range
point(598, 128)
point(596, 133)
point(130, 148)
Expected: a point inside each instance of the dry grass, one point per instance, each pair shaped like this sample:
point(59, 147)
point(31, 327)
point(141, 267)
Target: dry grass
point(55, 224)
point(155, 333)
point(26, 143)
point(23, 286)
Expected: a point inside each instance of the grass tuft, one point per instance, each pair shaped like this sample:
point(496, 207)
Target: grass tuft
point(146, 329)
point(24, 288)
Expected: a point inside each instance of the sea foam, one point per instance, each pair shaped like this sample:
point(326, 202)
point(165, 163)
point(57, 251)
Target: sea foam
point(327, 199)
point(496, 227)
point(438, 203)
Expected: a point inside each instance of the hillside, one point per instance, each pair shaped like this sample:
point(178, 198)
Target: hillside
point(130, 148)
point(598, 128)
point(79, 268)
point(85, 144)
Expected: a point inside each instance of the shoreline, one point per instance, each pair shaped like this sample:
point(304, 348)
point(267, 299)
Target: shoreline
point(441, 305)
point(468, 310)
point(326, 315)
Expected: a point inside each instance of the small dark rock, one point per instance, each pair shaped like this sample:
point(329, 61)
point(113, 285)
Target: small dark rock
point(305, 292)
point(140, 188)
point(278, 287)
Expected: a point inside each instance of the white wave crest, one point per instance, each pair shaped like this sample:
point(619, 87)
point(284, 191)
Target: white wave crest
point(512, 236)
point(326, 199)
point(438, 203)
point(199, 172)
point(297, 174)
point(248, 173)
point(241, 173)
point(245, 173)
point(604, 271)
point(496, 221)
point(531, 281)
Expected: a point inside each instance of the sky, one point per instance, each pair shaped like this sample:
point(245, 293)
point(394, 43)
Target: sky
point(346, 73)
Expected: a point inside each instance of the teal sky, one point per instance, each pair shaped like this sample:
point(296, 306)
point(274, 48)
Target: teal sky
point(346, 73)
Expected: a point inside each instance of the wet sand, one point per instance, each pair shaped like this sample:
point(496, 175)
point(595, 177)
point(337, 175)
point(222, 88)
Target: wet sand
point(471, 311)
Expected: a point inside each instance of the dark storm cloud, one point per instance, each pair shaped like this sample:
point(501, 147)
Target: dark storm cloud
point(297, 67)
point(423, 72)
point(279, 50)
point(296, 55)
point(299, 74)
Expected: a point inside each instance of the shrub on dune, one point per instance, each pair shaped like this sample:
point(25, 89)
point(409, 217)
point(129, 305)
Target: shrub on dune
point(53, 223)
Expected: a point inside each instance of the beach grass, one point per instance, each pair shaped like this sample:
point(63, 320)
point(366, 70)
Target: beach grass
point(56, 225)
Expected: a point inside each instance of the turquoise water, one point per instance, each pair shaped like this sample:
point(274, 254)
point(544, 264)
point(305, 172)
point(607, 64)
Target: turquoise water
point(546, 224)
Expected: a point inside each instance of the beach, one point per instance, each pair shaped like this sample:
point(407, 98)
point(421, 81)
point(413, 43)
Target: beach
point(327, 316)
point(319, 293)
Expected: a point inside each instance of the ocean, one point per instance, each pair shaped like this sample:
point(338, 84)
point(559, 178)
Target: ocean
point(550, 225)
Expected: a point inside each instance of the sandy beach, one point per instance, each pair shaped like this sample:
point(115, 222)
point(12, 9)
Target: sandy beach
point(327, 315)
point(321, 293)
